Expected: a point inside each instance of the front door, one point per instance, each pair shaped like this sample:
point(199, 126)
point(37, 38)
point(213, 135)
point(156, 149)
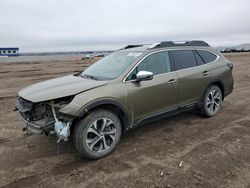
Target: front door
point(160, 94)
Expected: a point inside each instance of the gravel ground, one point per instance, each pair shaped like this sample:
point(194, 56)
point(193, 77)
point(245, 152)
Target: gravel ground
point(214, 152)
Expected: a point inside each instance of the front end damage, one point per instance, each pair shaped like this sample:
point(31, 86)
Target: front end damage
point(43, 117)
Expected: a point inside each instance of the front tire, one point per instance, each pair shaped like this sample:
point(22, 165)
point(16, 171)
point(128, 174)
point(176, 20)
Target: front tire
point(211, 102)
point(98, 134)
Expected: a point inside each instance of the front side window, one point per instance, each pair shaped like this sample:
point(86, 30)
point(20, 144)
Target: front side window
point(157, 63)
point(207, 56)
point(111, 66)
point(183, 59)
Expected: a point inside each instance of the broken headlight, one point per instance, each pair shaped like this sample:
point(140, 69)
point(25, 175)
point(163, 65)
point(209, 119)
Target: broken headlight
point(61, 102)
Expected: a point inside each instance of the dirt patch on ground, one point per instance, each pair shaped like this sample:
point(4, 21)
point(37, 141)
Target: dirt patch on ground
point(215, 152)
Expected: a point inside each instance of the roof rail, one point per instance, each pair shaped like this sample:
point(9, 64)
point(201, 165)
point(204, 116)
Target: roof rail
point(181, 43)
point(132, 46)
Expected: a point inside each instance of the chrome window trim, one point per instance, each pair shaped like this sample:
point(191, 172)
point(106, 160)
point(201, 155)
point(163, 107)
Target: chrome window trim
point(162, 50)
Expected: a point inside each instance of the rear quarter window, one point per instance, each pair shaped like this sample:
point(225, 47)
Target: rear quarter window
point(206, 56)
point(198, 59)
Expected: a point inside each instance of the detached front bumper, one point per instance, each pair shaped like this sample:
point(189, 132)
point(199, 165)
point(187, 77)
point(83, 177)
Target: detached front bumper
point(33, 127)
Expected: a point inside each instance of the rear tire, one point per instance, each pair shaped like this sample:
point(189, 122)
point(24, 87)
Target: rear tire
point(97, 134)
point(211, 102)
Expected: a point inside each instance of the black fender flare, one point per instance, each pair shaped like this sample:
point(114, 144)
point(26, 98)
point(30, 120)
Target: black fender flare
point(95, 103)
point(212, 83)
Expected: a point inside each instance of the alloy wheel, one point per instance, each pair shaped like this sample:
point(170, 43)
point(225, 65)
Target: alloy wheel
point(213, 101)
point(101, 135)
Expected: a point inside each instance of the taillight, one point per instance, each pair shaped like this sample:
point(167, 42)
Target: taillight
point(230, 65)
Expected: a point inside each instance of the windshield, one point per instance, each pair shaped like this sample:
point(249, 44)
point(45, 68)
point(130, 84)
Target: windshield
point(111, 66)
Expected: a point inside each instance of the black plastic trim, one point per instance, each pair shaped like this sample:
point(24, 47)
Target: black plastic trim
point(163, 114)
point(100, 102)
point(132, 46)
point(212, 83)
point(184, 43)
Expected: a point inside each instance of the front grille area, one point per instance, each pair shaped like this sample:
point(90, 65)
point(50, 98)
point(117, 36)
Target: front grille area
point(41, 111)
point(39, 114)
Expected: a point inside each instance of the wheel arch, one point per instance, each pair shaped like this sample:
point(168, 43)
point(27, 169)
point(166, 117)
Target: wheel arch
point(217, 83)
point(110, 104)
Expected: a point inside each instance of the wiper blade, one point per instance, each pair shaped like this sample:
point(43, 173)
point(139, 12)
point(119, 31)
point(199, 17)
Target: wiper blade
point(91, 77)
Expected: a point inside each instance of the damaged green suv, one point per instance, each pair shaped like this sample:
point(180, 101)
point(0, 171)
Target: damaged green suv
point(127, 88)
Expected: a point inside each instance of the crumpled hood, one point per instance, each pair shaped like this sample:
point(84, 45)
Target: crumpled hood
point(58, 87)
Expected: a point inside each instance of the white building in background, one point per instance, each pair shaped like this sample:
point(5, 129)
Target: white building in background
point(9, 51)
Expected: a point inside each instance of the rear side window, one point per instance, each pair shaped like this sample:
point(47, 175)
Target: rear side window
point(183, 59)
point(206, 56)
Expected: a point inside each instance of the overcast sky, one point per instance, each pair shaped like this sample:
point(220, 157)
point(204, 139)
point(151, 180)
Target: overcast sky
point(59, 25)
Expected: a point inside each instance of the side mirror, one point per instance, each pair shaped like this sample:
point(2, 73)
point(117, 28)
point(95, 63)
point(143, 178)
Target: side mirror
point(144, 75)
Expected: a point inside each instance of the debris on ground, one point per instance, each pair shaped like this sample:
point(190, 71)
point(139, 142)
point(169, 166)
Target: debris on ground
point(162, 172)
point(181, 164)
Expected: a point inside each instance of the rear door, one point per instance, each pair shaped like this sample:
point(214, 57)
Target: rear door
point(150, 97)
point(208, 67)
point(188, 74)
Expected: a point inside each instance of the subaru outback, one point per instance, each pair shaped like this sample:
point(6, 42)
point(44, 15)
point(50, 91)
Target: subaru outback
point(130, 87)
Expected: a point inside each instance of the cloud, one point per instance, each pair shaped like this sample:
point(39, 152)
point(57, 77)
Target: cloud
point(59, 25)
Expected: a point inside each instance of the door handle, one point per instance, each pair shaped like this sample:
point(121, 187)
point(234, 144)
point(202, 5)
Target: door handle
point(172, 81)
point(205, 73)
